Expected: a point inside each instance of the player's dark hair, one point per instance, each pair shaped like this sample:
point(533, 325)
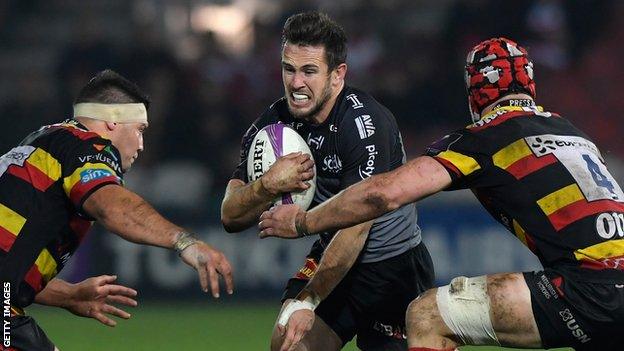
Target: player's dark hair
point(110, 87)
point(316, 28)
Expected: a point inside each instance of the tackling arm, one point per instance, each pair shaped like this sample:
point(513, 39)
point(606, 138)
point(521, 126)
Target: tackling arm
point(377, 195)
point(128, 215)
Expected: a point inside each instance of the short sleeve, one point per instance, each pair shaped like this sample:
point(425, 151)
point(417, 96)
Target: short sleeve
point(89, 166)
point(365, 143)
point(240, 172)
point(461, 153)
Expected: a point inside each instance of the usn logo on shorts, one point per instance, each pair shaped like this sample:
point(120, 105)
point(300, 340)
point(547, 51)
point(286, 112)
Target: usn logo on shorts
point(90, 175)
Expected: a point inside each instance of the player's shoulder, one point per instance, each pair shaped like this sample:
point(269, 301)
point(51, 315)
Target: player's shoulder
point(357, 101)
point(362, 111)
point(65, 137)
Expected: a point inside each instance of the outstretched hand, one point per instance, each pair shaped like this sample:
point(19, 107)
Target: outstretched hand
point(209, 263)
point(280, 221)
point(93, 298)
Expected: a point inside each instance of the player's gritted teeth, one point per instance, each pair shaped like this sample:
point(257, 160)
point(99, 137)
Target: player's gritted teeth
point(299, 99)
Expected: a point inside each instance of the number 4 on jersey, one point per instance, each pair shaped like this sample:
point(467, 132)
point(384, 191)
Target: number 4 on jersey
point(599, 178)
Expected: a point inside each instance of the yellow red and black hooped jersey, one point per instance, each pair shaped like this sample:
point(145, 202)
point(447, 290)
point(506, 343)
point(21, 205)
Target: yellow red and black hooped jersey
point(547, 183)
point(43, 184)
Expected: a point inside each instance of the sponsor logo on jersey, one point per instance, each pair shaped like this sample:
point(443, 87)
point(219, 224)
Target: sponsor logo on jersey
point(89, 175)
point(365, 126)
point(572, 324)
point(16, 156)
point(101, 158)
point(547, 143)
point(488, 119)
point(369, 167)
point(65, 258)
point(315, 142)
point(355, 101)
point(610, 224)
point(110, 152)
point(394, 331)
point(332, 164)
point(257, 159)
point(547, 289)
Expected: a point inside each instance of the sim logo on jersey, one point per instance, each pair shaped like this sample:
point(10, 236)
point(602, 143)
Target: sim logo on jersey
point(365, 126)
point(89, 175)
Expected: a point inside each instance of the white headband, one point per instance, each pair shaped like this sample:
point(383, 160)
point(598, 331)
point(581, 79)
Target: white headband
point(116, 113)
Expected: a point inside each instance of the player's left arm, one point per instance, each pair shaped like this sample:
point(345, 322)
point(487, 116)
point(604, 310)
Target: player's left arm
point(92, 182)
point(361, 202)
point(338, 258)
point(91, 298)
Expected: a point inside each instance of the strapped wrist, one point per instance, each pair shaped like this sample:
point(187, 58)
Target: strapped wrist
point(300, 224)
point(184, 240)
point(310, 296)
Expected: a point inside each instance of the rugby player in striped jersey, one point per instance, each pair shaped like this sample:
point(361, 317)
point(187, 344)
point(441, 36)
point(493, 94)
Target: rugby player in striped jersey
point(53, 186)
point(540, 177)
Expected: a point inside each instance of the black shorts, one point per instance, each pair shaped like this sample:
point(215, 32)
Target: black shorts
point(26, 335)
point(578, 314)
point(371, 300)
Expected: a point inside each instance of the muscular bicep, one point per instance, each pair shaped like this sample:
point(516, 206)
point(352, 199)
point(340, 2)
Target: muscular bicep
point(417, 179)
point(102, 202)
point(126, 214)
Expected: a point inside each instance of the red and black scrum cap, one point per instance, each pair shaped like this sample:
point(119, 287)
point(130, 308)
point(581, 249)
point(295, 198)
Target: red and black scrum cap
point(495, 68)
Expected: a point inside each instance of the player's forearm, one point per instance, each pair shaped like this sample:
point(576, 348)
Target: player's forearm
point(377, 195)
point(243, 204)
point(56, 293)
point(338, 258)
point(356, 204)
point(129, 216)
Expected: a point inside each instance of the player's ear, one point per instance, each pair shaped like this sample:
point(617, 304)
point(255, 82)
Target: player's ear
point(340, 72)
point(111, 126)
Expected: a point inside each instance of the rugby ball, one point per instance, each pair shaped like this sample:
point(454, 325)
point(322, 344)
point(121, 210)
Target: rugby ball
point(271, 143)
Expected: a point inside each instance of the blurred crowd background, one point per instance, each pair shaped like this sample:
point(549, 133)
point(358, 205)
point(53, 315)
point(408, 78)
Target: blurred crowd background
point(212, 67)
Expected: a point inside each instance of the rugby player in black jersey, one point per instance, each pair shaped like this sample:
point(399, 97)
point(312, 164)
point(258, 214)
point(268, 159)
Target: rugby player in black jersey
point(540, 177)
point(360, 280)
point(53, 186)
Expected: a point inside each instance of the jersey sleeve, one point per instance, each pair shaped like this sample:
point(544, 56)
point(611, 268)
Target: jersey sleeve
point(90, 165)
point(240, 172)
point(365, 145)
point(462, 154)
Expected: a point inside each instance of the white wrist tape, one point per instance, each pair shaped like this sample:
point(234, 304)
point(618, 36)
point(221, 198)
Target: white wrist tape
point(293, 306)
